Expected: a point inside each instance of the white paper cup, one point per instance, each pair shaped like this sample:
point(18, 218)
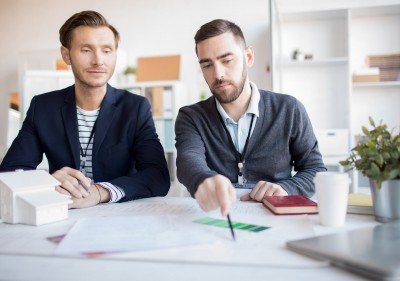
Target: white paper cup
point(332, 192)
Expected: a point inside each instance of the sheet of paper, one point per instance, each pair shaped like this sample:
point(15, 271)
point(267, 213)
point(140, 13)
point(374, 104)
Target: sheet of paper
point(131, 233)
point(177, 238)
point(163, 206)
point(264, 248)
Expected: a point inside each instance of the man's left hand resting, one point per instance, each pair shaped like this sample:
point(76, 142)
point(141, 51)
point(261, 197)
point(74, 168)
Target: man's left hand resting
point(264, 188)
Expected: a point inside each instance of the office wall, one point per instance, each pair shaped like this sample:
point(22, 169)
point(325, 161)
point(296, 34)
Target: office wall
point(147, 27)
point(310, 5)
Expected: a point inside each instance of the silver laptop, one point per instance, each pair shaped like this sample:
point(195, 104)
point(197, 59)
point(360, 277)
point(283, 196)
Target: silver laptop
point(373, 252)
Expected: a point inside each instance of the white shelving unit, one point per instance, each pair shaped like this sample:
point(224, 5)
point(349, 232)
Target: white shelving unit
point(166, 98)
point(374, 30)
point(37, 82)
point(339, 42)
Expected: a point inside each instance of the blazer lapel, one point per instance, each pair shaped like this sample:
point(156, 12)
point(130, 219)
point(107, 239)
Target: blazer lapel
point(70, 122)
point(104, 119)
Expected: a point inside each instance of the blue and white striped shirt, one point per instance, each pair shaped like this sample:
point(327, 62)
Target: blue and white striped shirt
point(86, 122)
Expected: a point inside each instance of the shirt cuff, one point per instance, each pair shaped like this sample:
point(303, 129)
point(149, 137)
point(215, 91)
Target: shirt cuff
point(116, 193)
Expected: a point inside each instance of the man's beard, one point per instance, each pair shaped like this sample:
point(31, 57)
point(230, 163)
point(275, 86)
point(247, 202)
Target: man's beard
point(226, 96)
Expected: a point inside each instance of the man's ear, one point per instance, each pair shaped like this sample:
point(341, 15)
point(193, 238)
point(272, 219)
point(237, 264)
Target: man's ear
point(65, 55)
point(249, 53)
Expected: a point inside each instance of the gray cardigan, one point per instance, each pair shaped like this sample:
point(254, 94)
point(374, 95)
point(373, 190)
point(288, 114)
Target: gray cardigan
point(283, 139)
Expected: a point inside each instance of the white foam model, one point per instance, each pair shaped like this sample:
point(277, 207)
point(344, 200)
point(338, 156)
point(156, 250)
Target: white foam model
point(29, 197)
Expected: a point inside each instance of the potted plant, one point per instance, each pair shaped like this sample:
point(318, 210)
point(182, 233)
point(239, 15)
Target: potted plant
point(377, 156)
point(130, 74)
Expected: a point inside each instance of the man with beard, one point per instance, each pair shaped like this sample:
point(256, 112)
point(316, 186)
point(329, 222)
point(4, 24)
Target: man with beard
point(241, 137)
point(100, 142)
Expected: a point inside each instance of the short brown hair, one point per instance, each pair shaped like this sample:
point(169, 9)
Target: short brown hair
point(218, 27)
point(84, 18)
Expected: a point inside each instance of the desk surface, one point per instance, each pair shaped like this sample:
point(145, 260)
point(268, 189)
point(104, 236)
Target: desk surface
point(26, 254)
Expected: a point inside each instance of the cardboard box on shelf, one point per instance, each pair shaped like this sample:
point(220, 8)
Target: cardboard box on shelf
point(366, 78)
point(367, 74)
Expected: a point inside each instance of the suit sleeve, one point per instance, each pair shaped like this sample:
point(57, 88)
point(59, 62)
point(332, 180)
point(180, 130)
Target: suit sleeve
point(151, 176)
point(25, 151)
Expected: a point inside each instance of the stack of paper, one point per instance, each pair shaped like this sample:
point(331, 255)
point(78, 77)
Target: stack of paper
point(360, 204)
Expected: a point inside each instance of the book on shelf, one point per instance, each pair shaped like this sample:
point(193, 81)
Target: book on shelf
point(388, 64)
point(157, 101)
point(167, 103)
point(359, 203)
point(161, 101)
point(165, 132)
point(169, 136)
point(290, 205)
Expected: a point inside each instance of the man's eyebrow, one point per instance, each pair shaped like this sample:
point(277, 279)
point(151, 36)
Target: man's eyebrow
point(88, 45)
point(218, 58)
point(204, 60)
point(224, 56)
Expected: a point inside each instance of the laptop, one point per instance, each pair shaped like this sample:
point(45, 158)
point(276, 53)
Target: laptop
point(373, 252)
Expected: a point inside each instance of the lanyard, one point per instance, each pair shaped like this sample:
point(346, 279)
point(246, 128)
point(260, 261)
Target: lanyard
point(84, 152)
point(239, 156)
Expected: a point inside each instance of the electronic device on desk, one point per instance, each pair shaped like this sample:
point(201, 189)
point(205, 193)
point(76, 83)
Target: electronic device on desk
point(372, 251)
point(290, 205)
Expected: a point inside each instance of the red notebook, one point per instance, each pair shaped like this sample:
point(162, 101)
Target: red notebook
point(290, 205)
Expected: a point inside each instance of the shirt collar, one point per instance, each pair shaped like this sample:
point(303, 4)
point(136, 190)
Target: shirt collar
point(253, 105)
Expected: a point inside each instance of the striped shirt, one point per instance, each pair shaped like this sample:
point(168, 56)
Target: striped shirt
point(86, 122)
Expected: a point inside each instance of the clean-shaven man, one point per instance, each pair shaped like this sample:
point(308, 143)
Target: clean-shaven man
point(100, 142)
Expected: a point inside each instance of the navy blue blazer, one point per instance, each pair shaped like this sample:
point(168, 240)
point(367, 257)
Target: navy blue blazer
point(126, 148)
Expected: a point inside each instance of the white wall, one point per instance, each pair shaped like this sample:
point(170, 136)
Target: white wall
point(315, 5)
point(147, 28)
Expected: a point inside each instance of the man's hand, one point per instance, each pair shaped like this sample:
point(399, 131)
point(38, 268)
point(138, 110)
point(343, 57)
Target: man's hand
point(92, 200)
point(70, 180)
point(214, 192)
point(264, 188)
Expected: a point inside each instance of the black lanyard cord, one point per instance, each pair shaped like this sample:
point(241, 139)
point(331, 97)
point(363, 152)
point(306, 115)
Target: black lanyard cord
point(239, 156)
point(84, 152)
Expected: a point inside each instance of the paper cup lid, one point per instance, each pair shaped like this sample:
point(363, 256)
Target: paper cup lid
point(331, 176)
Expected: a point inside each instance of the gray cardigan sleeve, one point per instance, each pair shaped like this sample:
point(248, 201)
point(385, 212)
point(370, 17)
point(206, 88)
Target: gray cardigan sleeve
point(307, 159)
point(192, 168)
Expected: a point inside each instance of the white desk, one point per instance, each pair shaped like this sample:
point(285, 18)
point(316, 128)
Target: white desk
point(26, 254)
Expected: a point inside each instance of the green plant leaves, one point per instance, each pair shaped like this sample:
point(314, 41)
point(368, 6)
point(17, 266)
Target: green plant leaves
point(377, 154)
point(365, 131)
point(371, 121)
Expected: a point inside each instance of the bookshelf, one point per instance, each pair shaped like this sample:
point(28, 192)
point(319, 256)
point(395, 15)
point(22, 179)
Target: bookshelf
point(42, 81)
point(166, 98)
point(339, 42)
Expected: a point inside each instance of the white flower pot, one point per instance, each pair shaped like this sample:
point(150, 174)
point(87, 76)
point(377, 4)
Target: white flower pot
point(130, 78)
